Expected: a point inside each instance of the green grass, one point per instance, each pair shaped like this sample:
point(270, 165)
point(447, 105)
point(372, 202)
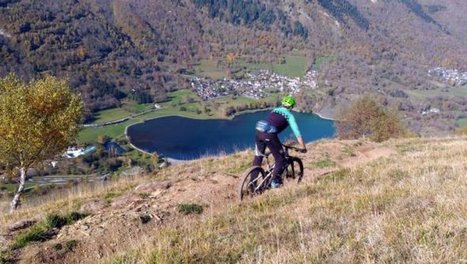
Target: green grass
point(324, 163)
point(42, 231)
point(12, 187)
point(110, 115)
point(108, 197)
point(117, 131)
point(458, 91)
point(128, 108)
point(294, 66)
point(190, 208)
point(181, 96)
point(208, 68)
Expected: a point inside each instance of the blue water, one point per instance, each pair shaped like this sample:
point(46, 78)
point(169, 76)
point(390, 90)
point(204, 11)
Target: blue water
point(186, 138)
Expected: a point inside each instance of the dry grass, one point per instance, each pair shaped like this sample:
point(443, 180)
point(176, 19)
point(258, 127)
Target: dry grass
point(72, 199)
point(407, 208)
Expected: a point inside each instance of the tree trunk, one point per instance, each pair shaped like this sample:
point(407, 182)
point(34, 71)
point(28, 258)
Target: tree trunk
point(15, 202)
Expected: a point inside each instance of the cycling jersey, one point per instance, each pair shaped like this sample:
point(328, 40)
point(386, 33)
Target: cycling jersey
point(281, 118)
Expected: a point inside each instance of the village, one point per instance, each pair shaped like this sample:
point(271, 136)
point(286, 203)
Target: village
point(453, 77)
point(255, 85)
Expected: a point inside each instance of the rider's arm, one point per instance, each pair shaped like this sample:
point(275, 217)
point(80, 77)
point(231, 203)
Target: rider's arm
point(302, 143)
point(296, 131)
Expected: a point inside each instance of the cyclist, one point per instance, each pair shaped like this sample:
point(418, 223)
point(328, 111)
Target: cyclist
point(267, 136)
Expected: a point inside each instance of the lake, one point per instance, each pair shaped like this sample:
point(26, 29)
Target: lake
point(185, 138)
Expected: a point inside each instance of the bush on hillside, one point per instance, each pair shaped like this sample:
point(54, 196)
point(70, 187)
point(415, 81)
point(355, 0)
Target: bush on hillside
point(366, 118)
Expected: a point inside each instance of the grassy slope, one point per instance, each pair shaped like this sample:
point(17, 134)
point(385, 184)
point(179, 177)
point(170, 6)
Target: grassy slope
point(405, 207)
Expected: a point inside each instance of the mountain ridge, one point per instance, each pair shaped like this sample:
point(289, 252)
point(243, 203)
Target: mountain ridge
point(117, 50)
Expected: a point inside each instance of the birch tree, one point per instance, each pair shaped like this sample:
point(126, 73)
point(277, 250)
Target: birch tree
point(38, 120)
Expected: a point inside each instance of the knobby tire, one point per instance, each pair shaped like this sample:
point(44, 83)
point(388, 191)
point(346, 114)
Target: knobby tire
point(244, 189)
point(294, 169)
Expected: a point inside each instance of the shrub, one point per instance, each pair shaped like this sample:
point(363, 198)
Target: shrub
point(38, 232)
point(365, 118)
point(187, 209)
point(43, 231)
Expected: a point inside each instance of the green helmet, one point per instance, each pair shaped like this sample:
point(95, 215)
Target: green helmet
point(288, 101)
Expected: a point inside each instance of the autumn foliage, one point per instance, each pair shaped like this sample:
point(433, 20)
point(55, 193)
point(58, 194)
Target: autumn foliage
point(366, 118)
point(38, 120)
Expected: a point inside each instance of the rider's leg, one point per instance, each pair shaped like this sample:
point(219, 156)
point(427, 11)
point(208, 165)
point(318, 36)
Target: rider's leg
point(277, 151)
point(260, 147)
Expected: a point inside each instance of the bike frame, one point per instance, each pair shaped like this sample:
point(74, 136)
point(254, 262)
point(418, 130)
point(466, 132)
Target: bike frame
point(270, 165)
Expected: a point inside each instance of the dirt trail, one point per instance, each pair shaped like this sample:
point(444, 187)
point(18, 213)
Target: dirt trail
point(133, 217)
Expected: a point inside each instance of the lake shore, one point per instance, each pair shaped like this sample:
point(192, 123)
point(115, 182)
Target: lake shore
point(176, 159)
point(323, 116)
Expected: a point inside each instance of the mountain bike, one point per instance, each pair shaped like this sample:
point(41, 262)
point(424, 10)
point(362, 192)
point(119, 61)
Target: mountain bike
point(263, 177)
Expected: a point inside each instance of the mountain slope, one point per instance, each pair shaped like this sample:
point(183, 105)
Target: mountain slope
point(117, 50)
point(398, 201)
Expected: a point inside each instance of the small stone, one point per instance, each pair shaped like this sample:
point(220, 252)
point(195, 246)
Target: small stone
point(21, 225)
point(93, 206)
point(153, 186)
point(127, 200)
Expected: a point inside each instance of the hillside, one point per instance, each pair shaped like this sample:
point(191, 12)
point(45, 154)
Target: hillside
point(115, 51)
point(398, 201)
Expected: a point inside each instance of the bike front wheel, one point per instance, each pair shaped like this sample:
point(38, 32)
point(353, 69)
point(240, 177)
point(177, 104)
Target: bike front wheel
point(294, 169)
point(252, 182)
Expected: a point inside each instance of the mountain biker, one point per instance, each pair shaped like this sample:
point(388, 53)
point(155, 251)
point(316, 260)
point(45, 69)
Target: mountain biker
point(267, 136)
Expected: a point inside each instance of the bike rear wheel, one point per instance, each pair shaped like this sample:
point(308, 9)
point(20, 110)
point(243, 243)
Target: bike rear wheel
point(249, 188)
point(294, 169)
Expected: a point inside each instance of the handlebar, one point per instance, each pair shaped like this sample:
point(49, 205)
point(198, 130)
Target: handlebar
point(287, 147)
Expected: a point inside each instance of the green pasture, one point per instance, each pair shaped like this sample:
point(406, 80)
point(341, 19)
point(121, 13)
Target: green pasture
point(209, 68)
point(127, 109)
point(294, 66)
point(457, 91)
point(110, 114)
point(291, 66)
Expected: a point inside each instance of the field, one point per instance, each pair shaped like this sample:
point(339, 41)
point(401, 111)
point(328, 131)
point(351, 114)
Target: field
point(293, 65)
point(423, 95)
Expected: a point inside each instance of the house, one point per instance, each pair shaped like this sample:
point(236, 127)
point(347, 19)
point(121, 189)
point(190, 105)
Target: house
point(74, 152)
point(114, 148)
point(431, 111)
